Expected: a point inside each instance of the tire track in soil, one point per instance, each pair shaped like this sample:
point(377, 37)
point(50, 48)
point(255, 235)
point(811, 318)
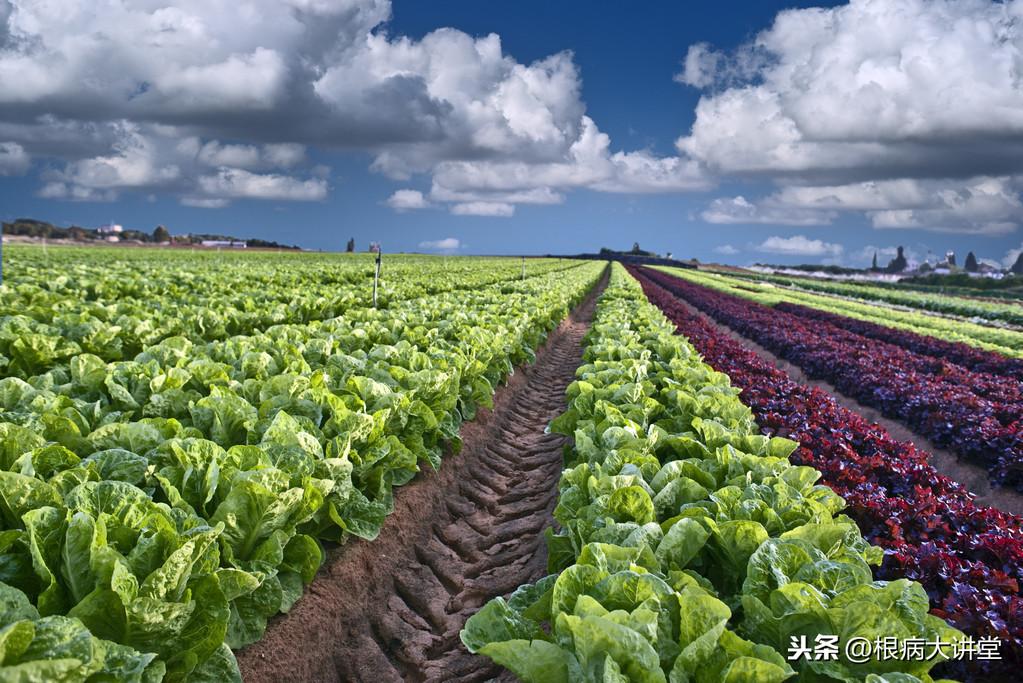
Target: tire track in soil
point(391, 609)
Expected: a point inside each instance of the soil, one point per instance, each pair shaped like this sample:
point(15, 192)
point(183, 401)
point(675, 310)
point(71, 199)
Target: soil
point(973, 477)
point(391, 609)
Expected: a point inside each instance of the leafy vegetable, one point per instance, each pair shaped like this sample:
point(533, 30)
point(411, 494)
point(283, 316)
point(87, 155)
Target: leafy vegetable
point(968, 557)
point(690, 548)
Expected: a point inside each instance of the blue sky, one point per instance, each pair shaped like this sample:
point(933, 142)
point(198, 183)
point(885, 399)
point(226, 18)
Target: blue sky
point(822, 134)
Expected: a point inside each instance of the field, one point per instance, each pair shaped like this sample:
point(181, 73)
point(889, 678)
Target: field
point(237, 466)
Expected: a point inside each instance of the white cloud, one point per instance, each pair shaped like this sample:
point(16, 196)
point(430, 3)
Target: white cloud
point(255, 87)
point(538, 195)
point(144, 157)
point(283, 155)
point(739, 210)
point(237, 183)
point(983, 205)
point(700, 66)
point(159, 157)
point(446, 244)
point(587, 163)
point(242, 156)
point(865, 99)
point(868, 87)
point(136, 161)
point(799, 245)
point(705, 67)
point(726, 250)
point(910, 111)
point(204, 202)
point(75, 193)
point(13, 159)
point(250, 157)
point(406, 200)
point(1010, 257)
point(483, 209)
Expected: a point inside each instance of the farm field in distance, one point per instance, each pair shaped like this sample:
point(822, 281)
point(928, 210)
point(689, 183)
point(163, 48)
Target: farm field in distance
point(548, 466)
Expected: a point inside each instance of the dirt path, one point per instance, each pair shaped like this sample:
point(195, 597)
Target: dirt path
point(391, 609)
point(973, 477)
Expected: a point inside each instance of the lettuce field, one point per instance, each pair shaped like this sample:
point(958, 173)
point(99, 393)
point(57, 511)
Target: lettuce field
point(239, 466)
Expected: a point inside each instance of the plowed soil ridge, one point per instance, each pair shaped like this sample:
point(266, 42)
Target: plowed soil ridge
point(391, 609)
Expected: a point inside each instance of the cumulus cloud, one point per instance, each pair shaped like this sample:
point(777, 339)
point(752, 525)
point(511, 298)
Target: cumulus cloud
point(236, 183)
point(257, 87)
point(14, 160)
point(406, 200)
point(538, 195)
point(202, 173)
point(984, 206)
point(705, 67)
point(1010, 257)
point(862, 107)
point(500, 209)
point(739, 210)
point(446, 244)
point(871, 87)
point(799, 245)
point(726, 250)
point(250, 157)
point(75, 193)
point(205, 203)
point(586, 163)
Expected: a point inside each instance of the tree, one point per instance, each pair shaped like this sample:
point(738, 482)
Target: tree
point(351, 245)
point(873, 264)
point(635, 248)
point(1017, 267)
point(897, 264)
point(971, 264)
point(161, 234)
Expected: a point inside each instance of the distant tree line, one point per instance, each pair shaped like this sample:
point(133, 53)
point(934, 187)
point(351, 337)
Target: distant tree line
point(635, 251)
point(30, 227)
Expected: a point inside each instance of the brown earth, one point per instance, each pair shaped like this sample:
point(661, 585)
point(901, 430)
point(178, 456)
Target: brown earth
point(391, 609)
point(973, 477)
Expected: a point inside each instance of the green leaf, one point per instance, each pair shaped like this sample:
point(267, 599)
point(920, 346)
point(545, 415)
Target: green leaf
point(536, 661)
point(631, 503)
point(682, 542)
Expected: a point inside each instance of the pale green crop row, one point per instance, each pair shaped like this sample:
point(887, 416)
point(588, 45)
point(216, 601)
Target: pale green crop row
point(940, 303)
point(115, 302)
point(690, 550)
point(999, 340)
point(156, 512)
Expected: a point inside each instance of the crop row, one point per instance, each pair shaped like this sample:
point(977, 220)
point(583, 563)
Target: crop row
point(967, 356)
point(975, 415)
point(968, 557)
point(173, 503)
point(114, 307)
point(880, 328)
point(940, 303)
point(690, 549)
point(1003, 341)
